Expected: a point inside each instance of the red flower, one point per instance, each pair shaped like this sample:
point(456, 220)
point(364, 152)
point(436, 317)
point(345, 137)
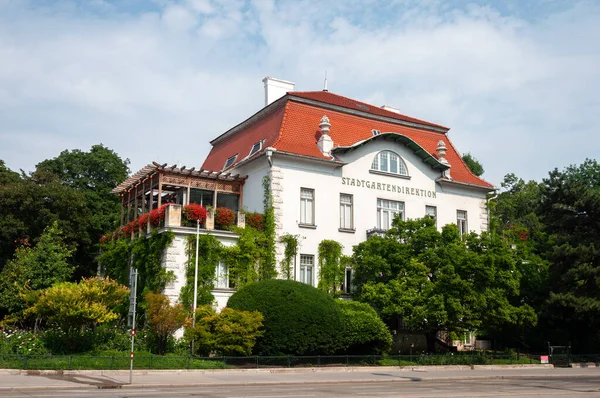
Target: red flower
point(224, 217)
point(255, 220)
point(157, 216)
point(143, 221)
point(105, 238)
point(194, 212)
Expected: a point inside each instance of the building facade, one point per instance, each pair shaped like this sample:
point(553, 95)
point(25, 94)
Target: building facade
point(342, 169)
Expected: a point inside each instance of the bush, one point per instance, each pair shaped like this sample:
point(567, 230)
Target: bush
point(163, 320)
point(21, 342)
point(228, 333)
point(364, 332)
point(298, 318)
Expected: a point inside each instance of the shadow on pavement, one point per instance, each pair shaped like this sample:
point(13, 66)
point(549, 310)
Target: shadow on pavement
point(98, 381)
point(398, 377)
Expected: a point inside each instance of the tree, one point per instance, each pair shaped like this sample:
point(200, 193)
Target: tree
point(437, 281)
point(35, 268)
point(570, 211)
point(163, 319)
point(473, 164)
point(7, 176)
point(93, 174)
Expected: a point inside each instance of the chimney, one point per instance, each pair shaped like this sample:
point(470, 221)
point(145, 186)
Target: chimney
point(275, 89)
point(325, 143)
point(391, 109)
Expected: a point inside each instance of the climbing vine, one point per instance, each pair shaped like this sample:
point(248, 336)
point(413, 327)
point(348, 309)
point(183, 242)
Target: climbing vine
point(289, 254)
point(210, 251)
point(331, 272)
point(145, 254)
point(267, 263)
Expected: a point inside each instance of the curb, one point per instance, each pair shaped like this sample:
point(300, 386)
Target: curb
point(17, 372)
point(233, 384)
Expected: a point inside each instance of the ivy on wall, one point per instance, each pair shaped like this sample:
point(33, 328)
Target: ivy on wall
point(289, 254)
point(267, 267)
point(331, 271)
point(209, 255)
point(145, 254)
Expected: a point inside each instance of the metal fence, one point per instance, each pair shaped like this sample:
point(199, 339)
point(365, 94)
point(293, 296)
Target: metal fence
point(81, 362)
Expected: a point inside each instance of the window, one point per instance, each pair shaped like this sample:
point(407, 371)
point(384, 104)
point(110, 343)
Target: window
point(347, 287)
point(346, 216)
point(306, 268)
point(387, 210)
point(431, 211)
point(255, 148)
point(389, 162)
point(307, 206)
point(376, 132)
point(230, 161)
point(461, 221)
point(222, 276)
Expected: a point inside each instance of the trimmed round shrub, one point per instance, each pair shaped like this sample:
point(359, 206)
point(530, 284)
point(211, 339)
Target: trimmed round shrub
point(298, 319)
point(363, 332)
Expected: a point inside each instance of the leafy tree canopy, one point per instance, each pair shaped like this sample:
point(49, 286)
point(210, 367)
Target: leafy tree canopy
point(473, 164)
point(35, 268)
point(439, 281)
point(570, 211)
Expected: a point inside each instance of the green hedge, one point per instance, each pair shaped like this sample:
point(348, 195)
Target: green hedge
point(363, 332)
point(298, 318)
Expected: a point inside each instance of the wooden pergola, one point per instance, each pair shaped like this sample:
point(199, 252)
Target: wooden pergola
point(149, 187)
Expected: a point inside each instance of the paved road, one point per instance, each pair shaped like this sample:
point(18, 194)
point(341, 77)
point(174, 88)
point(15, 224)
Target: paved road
point(523, 387)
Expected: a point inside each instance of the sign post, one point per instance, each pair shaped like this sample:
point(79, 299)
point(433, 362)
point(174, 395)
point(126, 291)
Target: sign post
point(132, 307)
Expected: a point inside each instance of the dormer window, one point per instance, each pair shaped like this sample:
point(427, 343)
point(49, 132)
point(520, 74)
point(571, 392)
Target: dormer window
point(230, 161)
point(389, 162)
point(255, 148)
point(376, 132)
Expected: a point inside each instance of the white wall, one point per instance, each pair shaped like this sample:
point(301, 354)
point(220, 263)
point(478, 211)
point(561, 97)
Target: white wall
point(329, 181)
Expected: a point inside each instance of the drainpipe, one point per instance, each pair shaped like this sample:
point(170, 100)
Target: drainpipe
point(269, 153)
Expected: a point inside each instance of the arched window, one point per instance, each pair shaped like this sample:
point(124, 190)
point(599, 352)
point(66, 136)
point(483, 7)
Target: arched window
point(389, 162)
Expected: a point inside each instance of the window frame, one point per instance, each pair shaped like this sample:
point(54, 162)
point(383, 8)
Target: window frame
point(464, 221)
point(222, 280)
point(350, 225)
point(434, 212)
point(233, 159)
point(382, 164)
point(302, 276)
point(303, 219)
point(389, 210)
point(252, 151)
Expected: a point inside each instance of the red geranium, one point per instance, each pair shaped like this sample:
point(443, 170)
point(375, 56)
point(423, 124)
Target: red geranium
point(105, 238)
point(255, 220)
point(224, 217)
point(143, 221)
point(194, 212)
point(157, 216)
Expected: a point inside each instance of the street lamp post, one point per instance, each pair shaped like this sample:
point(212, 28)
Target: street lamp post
point(195, 281)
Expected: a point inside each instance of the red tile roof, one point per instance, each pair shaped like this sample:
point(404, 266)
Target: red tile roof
point(294, 128)
point(266, 128)
point(349, 103)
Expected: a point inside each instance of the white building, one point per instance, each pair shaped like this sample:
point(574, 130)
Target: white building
point(341, 169)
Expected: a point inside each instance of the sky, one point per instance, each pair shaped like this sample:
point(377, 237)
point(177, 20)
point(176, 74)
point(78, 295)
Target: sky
point(155, 80)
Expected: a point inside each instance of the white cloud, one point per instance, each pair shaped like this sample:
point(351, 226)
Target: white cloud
point(159, 83)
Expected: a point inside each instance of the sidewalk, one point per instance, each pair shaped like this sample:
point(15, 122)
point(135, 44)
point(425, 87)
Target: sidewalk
point(11, 380)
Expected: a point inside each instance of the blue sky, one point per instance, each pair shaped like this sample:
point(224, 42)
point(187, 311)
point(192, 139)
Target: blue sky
point(517, 81)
